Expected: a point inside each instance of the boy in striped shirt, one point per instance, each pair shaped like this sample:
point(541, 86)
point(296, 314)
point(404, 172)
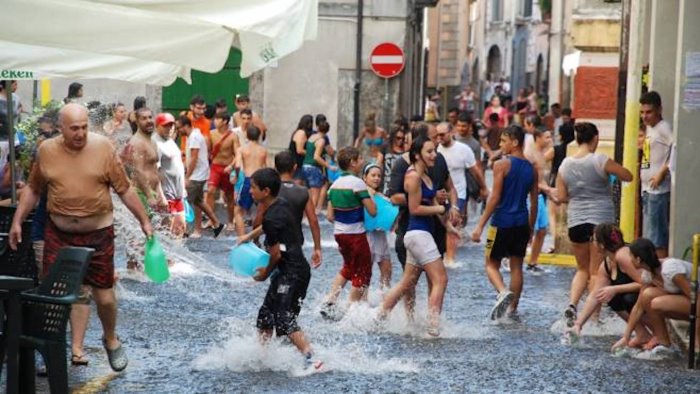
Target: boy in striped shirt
point(347, 199)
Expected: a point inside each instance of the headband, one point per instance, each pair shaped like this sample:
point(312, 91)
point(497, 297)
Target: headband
point(368, 167)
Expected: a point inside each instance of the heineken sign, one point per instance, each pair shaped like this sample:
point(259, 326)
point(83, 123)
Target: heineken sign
point(16, 74)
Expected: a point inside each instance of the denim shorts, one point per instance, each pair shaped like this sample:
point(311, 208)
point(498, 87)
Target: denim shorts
point(313, 175)
point(656, 211)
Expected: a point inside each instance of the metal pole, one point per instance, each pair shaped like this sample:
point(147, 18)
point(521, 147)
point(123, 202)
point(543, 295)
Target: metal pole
point(11, 142)
point(358, 72)
point(387, 108)
point(693, 300)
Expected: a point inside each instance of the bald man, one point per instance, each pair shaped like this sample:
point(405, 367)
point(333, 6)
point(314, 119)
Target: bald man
point(77, 169)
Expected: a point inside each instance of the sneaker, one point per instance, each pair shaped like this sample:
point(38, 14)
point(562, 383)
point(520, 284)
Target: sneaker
point(329, 311)
point(570, 315)
point(218, 230)
point(311, 365)
point(502, 303)
point(513, 316)
point(534, 269)
point(660, 352)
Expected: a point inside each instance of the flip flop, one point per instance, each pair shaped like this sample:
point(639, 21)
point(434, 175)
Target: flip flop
point(79, 360)
point(653, 342)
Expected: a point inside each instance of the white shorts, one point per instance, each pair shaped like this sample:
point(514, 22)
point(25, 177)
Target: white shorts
point(378, 246)
point(420, 248)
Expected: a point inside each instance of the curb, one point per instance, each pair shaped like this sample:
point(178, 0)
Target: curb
point(561, 260)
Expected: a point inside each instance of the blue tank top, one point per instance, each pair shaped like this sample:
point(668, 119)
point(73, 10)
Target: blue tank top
point(425, 223)
point(512, 209)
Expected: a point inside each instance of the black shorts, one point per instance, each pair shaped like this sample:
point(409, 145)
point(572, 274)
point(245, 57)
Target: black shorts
point(581, 234)
point(507, 242)
point(623, 302)
point(283, 302)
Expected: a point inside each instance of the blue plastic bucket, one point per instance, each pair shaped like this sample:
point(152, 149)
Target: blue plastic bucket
point(333, 175)
point(239, 181)
point(386, 215)
point(246, 258)
point(189, 212)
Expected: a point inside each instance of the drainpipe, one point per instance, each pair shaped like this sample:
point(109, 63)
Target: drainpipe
point(358, 72)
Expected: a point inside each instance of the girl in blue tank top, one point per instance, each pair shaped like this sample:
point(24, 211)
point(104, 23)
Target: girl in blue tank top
point(422, 252)
point(425, 223)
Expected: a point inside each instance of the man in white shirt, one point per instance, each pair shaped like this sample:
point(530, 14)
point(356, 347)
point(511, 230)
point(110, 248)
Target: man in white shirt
point(654, 173)
point(196, 176)
point(459, 158)
point(171, 171)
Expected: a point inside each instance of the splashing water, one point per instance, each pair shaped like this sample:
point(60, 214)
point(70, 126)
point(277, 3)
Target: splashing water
point(196, 333)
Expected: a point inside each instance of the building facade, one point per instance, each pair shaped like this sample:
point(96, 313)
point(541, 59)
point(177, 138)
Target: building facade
point(472, 42)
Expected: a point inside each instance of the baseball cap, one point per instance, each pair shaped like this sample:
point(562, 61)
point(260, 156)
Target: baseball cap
point(164, 118)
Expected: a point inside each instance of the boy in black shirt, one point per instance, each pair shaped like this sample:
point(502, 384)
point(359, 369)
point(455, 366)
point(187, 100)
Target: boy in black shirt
point(291, 279)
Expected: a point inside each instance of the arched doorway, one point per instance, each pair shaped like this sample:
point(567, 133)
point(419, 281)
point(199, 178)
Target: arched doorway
point(493, 65)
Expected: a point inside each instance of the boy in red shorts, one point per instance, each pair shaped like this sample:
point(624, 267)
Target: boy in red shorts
point(347, 199)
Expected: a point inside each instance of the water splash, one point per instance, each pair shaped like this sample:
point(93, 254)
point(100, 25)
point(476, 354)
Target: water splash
point(243, 352)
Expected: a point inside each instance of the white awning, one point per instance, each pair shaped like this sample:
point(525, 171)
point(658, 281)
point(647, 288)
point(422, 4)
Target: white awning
point(149, 41)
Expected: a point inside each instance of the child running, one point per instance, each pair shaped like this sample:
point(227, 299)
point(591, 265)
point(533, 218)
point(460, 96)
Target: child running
point(288, 286)
point(511, 227)
point(422, 252)
point(251, 158)
point(378, 244)
point(346, 199)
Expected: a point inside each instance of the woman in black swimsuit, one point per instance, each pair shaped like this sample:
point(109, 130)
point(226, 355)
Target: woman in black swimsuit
point(617, 284)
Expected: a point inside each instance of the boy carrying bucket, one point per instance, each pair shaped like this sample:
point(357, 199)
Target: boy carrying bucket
point(291, 270)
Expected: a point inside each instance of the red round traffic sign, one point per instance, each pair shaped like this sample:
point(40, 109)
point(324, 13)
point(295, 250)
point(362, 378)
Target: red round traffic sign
point(386, 60)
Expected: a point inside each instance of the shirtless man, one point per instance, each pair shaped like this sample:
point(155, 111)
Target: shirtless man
point(245, 120)
point(77, 169)
point(243, 102)
point(250, 158)
point(224, 144)
point(536, 156)
point(140, 158)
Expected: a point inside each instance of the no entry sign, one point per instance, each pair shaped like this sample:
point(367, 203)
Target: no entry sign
point(386, 60)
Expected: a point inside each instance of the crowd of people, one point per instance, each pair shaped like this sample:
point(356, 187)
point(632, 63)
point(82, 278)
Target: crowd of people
point(434, 171)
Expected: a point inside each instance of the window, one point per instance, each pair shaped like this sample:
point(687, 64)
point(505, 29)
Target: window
point(525, 8)
point(496, 10)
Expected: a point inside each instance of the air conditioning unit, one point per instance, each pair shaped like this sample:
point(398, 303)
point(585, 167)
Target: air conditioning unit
point(426, 3)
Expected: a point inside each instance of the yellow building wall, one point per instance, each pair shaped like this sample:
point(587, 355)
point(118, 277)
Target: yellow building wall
point(599, 35)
